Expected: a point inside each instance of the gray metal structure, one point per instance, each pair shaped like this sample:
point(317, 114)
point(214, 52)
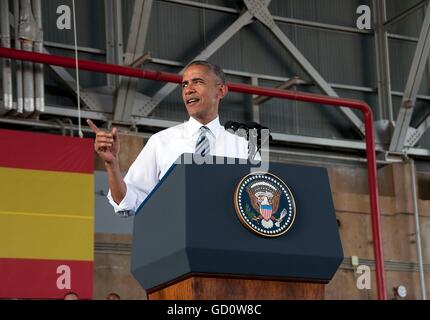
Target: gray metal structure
point(135, 45)
point(412, 85)
point(6, 63)
point(306, 45)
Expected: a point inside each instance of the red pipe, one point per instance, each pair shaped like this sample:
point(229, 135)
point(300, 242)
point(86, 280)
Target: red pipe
point(243, 88)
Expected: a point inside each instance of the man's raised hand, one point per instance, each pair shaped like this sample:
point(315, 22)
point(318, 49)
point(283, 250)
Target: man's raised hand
point(106, 144)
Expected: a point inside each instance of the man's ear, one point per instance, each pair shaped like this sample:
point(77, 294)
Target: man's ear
point(223, 90)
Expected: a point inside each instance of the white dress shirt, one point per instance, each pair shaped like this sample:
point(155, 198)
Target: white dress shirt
point(162, 150)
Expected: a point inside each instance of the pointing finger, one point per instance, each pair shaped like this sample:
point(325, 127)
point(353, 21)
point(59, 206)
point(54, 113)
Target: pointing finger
point(92, 126)
point(115, 133)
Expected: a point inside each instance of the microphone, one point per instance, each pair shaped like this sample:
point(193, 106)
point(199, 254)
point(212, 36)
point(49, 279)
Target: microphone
point(238, 128)
point(249, 130)
point(233, 125)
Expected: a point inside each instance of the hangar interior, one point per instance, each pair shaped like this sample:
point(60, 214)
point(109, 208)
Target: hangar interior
point(311, 46)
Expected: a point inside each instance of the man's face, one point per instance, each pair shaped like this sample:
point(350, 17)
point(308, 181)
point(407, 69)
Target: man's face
point(201, 92)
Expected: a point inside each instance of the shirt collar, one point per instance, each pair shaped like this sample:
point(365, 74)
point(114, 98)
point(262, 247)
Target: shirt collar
point(192, 126)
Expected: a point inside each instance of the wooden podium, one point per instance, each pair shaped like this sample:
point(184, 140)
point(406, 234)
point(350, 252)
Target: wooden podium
point(188, 243)
point(221, 288)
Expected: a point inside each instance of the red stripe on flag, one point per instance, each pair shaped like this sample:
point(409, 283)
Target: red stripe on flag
point(41, 151)
point(39, 279)
point(266, 213)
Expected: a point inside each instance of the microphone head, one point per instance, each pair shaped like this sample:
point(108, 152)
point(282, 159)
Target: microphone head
point(252, 125)
point(233, 125)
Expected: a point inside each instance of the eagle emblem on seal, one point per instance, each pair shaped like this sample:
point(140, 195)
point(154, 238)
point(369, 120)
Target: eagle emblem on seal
point(265, 204)
point(265, 201)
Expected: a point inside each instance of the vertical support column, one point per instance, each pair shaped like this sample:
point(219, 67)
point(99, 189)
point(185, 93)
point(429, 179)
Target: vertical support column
point(428, 62)
point(418, 230)
point(18, 63)
point(135, 46)
point(382, 61)
point(39, 81)
point(255, 106)
point(114, 38)
point(26, 32)
point(6, 64)
point(412, 86)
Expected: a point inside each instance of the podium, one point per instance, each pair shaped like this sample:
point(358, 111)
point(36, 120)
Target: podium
point(188, 241)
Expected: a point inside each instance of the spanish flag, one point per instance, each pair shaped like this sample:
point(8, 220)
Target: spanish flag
point(46, 215)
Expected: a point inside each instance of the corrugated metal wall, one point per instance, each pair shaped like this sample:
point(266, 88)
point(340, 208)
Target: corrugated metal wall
point(178, 32)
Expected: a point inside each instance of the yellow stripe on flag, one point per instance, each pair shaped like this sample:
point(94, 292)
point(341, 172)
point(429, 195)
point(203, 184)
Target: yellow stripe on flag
point(61, 193)
point(33, 236)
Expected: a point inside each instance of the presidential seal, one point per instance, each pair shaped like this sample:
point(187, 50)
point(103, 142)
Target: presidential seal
point(264, 204)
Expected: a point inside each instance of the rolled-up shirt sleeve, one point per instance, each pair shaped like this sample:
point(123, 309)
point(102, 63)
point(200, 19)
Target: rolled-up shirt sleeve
point(141, 178)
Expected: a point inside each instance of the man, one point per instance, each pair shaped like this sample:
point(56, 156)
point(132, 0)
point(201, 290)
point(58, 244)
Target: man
point(71, 296)
point(203, 86)
point(113, 296)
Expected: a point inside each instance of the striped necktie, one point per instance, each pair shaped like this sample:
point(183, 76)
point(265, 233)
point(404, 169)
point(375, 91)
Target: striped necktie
point(202, 145)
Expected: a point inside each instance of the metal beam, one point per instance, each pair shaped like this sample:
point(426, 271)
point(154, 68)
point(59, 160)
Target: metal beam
point(255, 103)
point(27, 33)
point(6, 64)
point(39, 79)
point(419, 96)
point(135, 46)
point(299, 22)
point(162, 124)
point(416, 134)
point(242, 21)
point(405, 13)
point(292, 82)
point(96, 101)
point(245, 74)
point(310, 24)
point(202, 6)
point(18, 64)
point(71, 84)
point(401, 37)
point(261, 12)
point(60, 71)
point(414, 137)
point(114, 38)
point(143, 59)
point(412, 85)
point(418, 229)
point(382, 61)
point(226, 71)
point(72, 112)
point(338, 144)
point(70, 47)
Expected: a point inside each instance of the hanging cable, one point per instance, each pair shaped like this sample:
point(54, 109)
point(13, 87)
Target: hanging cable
point(81, 134)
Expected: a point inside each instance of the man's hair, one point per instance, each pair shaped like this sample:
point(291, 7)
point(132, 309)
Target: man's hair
point(113, 295)
point(212, 67)
point(71, 294)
